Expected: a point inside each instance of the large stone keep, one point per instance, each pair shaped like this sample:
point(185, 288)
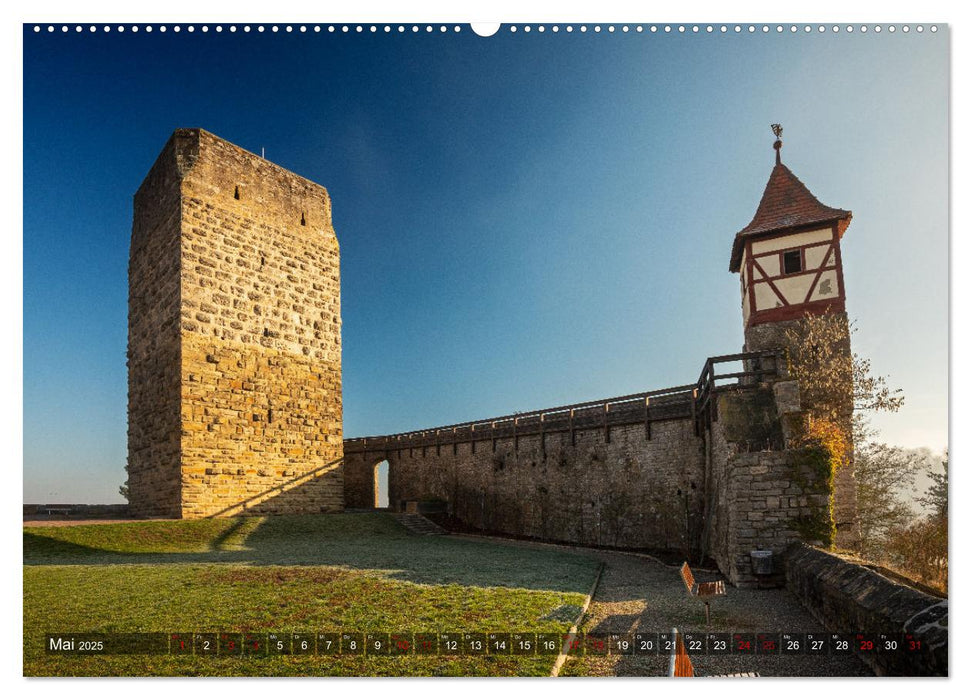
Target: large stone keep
point(234, 344)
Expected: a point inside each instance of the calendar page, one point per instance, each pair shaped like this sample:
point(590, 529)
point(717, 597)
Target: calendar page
point(544, 348)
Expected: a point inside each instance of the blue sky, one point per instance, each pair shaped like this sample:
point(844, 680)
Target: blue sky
point(525, 220)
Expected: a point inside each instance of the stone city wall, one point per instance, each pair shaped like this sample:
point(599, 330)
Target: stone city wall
point(718, 484)
point(85, 510)
point(629, 492)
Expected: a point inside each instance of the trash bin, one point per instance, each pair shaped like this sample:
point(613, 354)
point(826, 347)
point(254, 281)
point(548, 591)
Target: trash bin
point(761, 562)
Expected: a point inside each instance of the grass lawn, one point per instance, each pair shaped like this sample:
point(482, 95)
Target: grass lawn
point(328, 573)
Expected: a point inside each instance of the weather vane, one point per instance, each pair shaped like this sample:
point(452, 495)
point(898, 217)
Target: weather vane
point(777, 130)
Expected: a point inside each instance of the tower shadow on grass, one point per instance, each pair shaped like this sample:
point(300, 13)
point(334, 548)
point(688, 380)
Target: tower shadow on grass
point(53, 548)
point(366, 542)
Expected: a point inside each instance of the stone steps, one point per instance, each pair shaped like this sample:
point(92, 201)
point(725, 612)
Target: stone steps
point(418, 524)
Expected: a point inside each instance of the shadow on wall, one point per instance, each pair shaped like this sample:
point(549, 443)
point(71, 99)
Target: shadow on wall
point(362, 541)
point(310, 492)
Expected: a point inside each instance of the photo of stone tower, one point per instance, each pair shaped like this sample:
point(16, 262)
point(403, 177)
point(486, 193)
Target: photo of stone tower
point(234, 337)
point(790, 267)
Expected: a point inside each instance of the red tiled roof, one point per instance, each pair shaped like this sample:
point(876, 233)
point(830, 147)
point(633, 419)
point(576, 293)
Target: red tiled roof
point(786, 203)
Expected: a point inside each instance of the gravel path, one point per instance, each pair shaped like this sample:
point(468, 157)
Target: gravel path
point(642, 595)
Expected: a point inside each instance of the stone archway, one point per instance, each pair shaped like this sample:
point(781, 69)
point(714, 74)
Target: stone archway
point(366, 480)
point(381, 484)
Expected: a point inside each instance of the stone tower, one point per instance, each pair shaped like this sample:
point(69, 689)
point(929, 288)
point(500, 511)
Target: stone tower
point(234, 344)
point(790, 266)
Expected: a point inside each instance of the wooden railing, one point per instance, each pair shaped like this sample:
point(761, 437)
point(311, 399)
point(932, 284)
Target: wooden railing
point(760, 366)
point(674, 403)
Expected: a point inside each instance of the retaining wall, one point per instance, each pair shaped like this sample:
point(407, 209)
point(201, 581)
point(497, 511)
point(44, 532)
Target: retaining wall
point(848, 597)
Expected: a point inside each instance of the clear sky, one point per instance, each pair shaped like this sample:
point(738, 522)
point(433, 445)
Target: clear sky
point(525, 220)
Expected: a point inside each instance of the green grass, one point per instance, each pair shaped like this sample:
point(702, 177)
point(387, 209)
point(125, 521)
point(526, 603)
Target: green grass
point(329, 573)
point(43, 544)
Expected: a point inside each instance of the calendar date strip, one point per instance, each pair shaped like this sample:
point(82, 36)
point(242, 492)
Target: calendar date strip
point(267, 644)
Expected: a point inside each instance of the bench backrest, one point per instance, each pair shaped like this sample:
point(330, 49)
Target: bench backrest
point(688, 578)
point(680, 665)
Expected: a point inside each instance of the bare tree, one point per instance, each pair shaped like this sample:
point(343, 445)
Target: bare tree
point(839, 391)
point(835, 383)
point(883, 476)
point(935, 497)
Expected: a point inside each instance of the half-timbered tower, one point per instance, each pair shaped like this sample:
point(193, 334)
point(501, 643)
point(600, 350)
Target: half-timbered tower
point(790, 265)
point(788, 256)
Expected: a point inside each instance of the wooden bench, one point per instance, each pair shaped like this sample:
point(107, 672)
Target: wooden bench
point(705, 591)
point(680, 666)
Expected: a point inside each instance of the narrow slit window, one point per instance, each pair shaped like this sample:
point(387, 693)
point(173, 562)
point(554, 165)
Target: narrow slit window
point(792, 261)
point(303, 219)
point(236, 193)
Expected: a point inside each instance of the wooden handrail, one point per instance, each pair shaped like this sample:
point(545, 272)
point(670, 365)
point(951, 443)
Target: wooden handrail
point(698, 393)
point(671, 391)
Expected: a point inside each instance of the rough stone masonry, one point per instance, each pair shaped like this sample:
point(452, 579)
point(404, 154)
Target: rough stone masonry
point(234, 342)
point(235, 392)
point(718, 482)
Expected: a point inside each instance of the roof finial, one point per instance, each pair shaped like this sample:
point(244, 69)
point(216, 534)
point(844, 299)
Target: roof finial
point(777, 130)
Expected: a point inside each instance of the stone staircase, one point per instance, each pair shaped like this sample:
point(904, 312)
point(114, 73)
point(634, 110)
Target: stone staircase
point(418, 524)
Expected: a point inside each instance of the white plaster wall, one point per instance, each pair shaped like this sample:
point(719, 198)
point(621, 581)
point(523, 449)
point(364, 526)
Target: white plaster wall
point(827, 288)
point(791, 241)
